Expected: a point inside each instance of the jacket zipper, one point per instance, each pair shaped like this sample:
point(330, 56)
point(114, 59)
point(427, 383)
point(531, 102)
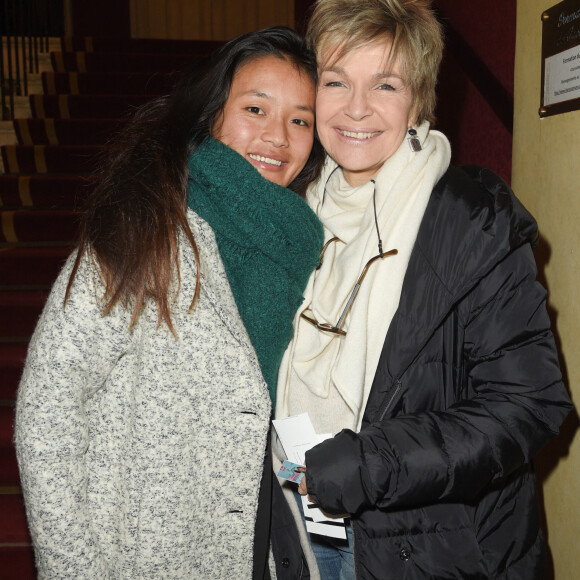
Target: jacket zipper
point(390, 401)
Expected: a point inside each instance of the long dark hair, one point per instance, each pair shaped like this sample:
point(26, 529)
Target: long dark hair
point(138, 207)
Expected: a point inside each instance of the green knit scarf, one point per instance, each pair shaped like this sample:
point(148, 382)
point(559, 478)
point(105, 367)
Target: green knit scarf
point(269, 241)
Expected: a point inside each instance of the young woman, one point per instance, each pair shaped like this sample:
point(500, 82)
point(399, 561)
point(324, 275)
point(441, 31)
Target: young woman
point(144, 409)
point(423, 342)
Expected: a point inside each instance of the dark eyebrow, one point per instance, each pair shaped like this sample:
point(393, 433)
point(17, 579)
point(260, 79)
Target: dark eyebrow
point(259, 94)
point(262, 95)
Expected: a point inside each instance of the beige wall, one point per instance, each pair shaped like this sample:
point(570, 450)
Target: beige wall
point(546, 177)
point(206, 19)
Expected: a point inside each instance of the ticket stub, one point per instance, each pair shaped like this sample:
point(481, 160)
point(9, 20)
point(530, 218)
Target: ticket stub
point(289, 471)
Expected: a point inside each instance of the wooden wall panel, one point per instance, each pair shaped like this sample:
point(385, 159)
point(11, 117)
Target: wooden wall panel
point(196, 19)
point(238, 17)
point(174, 16)
point(218, 19)
point(206, 19)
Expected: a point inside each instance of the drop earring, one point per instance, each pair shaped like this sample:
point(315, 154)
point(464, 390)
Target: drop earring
point(414, 142)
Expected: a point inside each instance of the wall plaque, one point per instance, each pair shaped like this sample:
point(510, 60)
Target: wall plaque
point(560, 59)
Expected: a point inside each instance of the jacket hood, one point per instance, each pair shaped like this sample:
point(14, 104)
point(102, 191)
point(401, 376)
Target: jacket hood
point(473, 221)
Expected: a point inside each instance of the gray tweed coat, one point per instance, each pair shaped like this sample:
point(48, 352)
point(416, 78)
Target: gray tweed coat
point(130, 444)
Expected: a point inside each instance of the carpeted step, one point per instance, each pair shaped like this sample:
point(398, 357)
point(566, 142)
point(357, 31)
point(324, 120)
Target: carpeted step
point(66, 131)
point(80, 61)
point(6, 428)
point(74, 83)
point(63, 159)
point(14, 527)
point(17, 562)
point(43, 191)
point(85, 106)
point(9, 475)
point(30, 267)
point(12, 358)
point(19, 313)
point(70, 126)
point(54, 226)
point(116, 45)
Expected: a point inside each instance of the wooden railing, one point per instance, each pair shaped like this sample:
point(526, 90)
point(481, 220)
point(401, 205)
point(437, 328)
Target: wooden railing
point(25, 27)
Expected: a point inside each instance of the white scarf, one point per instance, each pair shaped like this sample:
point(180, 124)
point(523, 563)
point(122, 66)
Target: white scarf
point(321, 360)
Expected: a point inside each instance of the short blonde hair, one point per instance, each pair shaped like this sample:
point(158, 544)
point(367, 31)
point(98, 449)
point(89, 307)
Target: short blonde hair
point(339, 26)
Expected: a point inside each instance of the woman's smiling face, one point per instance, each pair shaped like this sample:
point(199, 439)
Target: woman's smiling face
point(363, 110)
point(269, 117)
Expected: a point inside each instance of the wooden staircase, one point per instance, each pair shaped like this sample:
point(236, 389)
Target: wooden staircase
point(85, 92)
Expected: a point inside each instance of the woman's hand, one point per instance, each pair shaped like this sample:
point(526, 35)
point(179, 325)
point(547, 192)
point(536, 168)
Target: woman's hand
point(302, 490)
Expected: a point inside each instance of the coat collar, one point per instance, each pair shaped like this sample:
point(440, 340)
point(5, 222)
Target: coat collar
point(214, 281)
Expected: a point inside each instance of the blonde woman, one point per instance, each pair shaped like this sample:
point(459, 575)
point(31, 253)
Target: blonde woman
point(423, 343)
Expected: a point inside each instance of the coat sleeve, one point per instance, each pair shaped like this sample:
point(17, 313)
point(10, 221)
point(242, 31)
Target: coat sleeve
point(514, 402)
point(72, 351)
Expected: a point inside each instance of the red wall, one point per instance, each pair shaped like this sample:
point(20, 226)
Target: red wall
point(110, 18)
point(475, 93)
point(301, 14)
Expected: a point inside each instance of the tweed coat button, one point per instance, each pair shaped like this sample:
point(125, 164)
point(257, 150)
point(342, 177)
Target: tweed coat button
point(405, 554)
point(286, 563)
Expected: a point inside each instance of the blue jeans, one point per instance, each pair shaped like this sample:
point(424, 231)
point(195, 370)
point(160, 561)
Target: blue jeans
point(334, 557)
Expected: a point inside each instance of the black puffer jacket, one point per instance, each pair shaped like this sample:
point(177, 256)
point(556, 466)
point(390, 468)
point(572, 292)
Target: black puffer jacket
point(439, 480)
